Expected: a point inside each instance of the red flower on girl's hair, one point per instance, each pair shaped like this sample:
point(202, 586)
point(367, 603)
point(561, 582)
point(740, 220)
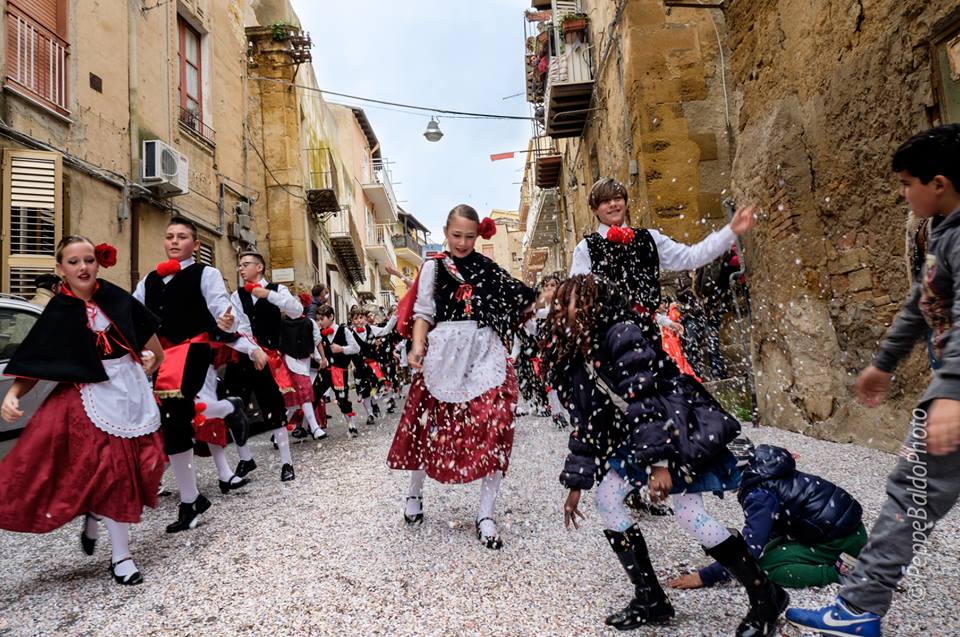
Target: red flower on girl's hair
point(488, 228)
point(106, 255)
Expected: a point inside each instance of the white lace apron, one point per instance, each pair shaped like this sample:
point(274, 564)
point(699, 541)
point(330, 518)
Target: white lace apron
point(463, 361)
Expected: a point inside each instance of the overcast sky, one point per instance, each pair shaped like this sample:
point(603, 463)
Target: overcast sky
point(452, 54)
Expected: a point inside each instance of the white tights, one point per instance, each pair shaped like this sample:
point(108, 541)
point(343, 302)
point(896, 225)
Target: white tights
point(489, 488)
point(119, 533)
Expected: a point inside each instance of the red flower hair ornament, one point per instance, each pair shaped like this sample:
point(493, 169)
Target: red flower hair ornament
point(106, 255)
point(488, 228)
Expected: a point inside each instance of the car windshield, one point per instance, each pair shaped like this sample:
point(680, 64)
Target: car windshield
point(15, 324)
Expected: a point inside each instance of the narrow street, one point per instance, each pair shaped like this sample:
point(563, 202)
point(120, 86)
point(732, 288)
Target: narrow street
point(329, 554)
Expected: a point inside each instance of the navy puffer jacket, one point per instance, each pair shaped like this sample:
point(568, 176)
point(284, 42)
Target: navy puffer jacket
point(669, 415)
point(812, 509)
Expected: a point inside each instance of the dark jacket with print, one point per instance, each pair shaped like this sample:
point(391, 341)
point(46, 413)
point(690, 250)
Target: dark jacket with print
point(669, 415)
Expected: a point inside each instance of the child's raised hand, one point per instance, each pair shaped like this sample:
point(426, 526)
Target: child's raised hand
point(690, 580)
point(943, 427)
point(872, 385)
point(571, 510)
point(744, 219)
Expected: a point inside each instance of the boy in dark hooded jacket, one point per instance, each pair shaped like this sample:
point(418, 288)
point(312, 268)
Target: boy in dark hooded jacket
point(796, 524)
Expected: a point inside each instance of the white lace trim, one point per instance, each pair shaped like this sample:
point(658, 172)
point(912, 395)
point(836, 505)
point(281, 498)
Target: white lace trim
point(463, 361)
point(123, 405)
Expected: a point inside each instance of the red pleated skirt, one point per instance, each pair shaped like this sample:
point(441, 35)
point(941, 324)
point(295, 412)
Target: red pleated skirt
point(456, 443)
point(302, 391)
point(63, 466)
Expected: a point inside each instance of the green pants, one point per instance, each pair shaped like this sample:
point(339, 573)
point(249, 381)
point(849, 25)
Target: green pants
point(796, 565)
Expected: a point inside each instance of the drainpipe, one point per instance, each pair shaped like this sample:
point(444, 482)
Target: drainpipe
point(133, 129)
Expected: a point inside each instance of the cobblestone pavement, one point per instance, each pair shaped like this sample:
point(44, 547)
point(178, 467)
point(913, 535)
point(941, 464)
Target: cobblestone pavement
point(329, 554)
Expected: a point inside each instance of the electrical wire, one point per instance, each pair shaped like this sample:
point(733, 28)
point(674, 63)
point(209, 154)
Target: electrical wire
point(444, 111)
point(265, 165)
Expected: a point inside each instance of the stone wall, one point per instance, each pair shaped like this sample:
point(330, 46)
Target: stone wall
point(824, 94)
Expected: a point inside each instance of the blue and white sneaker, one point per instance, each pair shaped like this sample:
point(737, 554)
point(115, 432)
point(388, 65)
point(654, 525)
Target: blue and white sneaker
point(836, 619)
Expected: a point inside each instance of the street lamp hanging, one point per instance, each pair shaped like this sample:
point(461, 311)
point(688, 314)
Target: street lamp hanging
point(433, 132)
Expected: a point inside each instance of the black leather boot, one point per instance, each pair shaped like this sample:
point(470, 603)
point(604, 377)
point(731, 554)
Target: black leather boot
point(649, 604)
point(767, 600)
point(237, 422)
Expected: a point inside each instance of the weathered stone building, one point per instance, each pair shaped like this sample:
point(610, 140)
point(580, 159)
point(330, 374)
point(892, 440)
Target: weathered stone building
point(506, 246)
point(86, 95)
point(824, 94)
point(653, 111)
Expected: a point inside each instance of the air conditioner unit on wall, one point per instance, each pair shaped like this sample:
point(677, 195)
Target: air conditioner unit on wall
point(164, 169)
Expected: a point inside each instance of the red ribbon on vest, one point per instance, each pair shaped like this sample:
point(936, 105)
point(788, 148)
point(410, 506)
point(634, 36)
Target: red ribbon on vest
point(327, 331)
point(465, 293)
point(360, 330)
point(168, 267)
point(250, 286)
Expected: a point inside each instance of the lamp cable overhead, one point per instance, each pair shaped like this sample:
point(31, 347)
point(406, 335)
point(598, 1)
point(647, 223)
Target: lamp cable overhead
point(407, 106)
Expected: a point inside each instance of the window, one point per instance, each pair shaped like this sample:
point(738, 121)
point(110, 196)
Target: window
point(37, 52)
point(32, 216)
point(206, 254)
point(15, 324)
point(946, 57)
point(189, 56)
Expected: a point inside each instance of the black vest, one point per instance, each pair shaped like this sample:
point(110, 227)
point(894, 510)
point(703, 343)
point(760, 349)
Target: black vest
point(367, 346)
point(340, 338)
point(296, 337)
point(633, 267)
point(264, 317)
point(179, 303)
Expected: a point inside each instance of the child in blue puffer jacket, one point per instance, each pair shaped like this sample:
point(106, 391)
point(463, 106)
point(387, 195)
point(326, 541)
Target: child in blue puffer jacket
point(639, 421)
point(796, 524)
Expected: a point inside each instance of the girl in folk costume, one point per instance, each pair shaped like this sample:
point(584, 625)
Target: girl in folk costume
point(639, 421)
point(339, 346)
point(457, 425)
point(93, 447)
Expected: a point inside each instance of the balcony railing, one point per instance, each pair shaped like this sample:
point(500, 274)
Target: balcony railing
point(377, 185)
point(36, 61)
point(194, 123)
point(322, 191)
point(408, 242)
point(380, 244)
point(345, 241)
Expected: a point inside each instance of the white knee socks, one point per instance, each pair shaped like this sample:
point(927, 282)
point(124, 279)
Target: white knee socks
point(120, 546)
point(414, 507)
point(694, 519)
point(368, 405)
point(311, 418)
point(244, 453)
point(283, 442)
point(219, 455)
point(609, 499)
point(218, 409)
point(184, 474)
point(489, 487)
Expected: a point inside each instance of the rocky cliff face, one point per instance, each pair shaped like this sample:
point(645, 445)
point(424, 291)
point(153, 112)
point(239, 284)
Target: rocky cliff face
point(825, 92)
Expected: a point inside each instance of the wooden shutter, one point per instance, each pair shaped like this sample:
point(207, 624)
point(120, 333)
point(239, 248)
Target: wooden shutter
point(32, 216)
point(206, 254)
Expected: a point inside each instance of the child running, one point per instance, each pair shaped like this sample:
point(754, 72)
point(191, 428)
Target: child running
point(639, 421)
point(467, 390)
point(928, 165)
point(93, 448)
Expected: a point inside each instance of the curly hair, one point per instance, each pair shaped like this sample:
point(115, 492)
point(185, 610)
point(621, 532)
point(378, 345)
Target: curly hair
point(598, 305)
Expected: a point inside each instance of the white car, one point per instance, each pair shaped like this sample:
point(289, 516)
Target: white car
point(17, 316)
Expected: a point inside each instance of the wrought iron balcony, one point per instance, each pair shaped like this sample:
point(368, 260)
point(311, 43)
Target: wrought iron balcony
point(346, 245)
point(376, 185)
point(193, 122)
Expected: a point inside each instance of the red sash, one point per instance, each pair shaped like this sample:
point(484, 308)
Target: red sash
point(336, 378)
point(375, 366)
point(184, 368)
point(279, 371)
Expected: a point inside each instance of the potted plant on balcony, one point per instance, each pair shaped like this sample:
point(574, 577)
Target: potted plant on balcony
point(574, 25)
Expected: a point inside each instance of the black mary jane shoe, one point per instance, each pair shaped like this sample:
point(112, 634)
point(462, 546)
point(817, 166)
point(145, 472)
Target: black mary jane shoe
point(244, 467)
point(286, 473)
point(417, 518)
point(371, 420)
point(88, 544)
point(237, 422)
point(492, 542)
point(298, 432)
point(353, 432)
point(132, 579)
point(226, 486)
point(188, 514)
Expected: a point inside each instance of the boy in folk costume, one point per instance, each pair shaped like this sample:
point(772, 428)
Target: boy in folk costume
point(634, 257)
point(339, 346)
point(457, 424)
point(93, 447)
point(263, 373)
point(369, 374)
point(302, 343)
point(192, 303)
